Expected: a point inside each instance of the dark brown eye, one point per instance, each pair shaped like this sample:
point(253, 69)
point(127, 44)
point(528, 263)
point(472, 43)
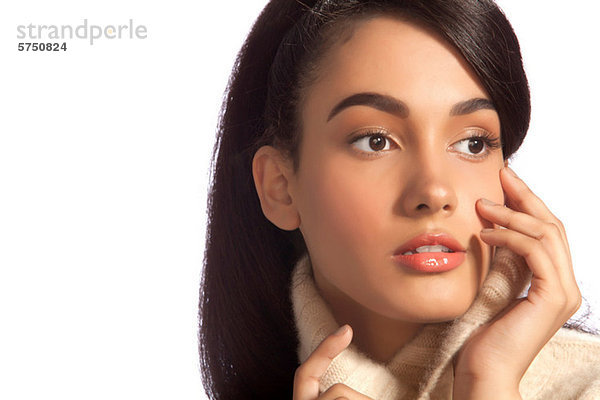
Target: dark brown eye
point(374, 143)
point(377, 143)
point(476, 145)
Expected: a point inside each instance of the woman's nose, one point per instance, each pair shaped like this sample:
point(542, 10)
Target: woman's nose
point(428, 191)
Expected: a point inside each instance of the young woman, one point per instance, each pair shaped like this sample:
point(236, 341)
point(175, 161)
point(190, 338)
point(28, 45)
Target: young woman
point(366, 237)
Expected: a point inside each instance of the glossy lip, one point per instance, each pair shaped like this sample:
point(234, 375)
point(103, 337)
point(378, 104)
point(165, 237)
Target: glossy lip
point(434, 261)
point(430, 239)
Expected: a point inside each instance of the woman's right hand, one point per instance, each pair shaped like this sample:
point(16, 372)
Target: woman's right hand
point(308, 374)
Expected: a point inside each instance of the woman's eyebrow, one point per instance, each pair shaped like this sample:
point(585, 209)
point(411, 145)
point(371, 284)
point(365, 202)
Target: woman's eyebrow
point(378, 101)
point(471, 105)
point(394, 106)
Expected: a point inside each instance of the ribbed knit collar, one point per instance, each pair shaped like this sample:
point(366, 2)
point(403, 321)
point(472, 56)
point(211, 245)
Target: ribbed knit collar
point(422, 369)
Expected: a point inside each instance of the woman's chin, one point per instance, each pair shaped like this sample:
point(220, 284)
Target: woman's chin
point(433, 311)
point(445, 316)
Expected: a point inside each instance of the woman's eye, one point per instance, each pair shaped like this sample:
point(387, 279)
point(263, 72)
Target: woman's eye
point(476, 146)
point(371, 143)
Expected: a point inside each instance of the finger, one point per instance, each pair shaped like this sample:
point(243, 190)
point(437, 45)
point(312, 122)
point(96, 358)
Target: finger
point(340, 391)
point(518, 221)
point(307, 376)
point(521, 198)
point(547, 286)
point(538, 260)
point(548, 233)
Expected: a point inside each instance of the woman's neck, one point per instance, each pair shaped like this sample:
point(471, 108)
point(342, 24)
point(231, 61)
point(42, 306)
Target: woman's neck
point(377, 336)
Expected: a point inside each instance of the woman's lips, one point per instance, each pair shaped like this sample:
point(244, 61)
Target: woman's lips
point(430, 261)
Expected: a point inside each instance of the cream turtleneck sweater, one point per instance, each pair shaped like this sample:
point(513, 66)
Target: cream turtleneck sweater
point(568, 367)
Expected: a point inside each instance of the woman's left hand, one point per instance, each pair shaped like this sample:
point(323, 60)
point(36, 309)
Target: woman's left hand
point(493, 361)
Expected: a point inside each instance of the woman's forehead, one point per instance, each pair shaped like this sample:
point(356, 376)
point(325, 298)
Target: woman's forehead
point(399, 59)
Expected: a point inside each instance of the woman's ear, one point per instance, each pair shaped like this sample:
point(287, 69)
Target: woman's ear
point(271, 172)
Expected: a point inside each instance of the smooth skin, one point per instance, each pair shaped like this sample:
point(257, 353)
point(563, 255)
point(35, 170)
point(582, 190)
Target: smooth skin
point(496, 357)
point(355, 203)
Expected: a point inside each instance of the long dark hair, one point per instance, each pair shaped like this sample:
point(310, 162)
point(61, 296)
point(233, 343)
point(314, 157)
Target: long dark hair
point(247, 336)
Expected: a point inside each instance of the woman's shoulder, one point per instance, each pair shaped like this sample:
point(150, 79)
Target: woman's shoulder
point(568, 367)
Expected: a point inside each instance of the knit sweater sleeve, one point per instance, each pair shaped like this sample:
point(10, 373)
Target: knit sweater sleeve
point(568, 367)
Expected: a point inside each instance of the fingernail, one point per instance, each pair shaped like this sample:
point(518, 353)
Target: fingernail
point(487, 230)
point(511, 172)
point(487, 202)
point(341, 330)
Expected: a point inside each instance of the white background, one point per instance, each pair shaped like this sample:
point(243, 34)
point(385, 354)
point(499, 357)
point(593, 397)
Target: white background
point(104, 155)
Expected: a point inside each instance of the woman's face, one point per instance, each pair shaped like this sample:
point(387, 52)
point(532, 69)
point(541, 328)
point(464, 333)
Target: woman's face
point(360, 198)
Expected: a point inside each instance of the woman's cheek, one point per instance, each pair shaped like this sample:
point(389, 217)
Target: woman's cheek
point(346, 208)
point(489, 187)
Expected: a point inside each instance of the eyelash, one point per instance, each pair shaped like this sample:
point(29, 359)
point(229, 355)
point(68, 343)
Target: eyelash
point(371, 133)
point(490, 141)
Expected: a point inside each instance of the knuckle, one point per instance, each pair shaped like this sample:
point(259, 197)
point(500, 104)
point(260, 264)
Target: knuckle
point(575, 301)
point(301, 373)
point(539, 246)
point(541, 235)
point(297, 374)
point(510, 219)
point(553, 228)
point(570, 301)
point(573, 307)
point(548, 229)
point(533, 246)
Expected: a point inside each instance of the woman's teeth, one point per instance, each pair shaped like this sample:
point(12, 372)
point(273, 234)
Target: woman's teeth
point(438, 248)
